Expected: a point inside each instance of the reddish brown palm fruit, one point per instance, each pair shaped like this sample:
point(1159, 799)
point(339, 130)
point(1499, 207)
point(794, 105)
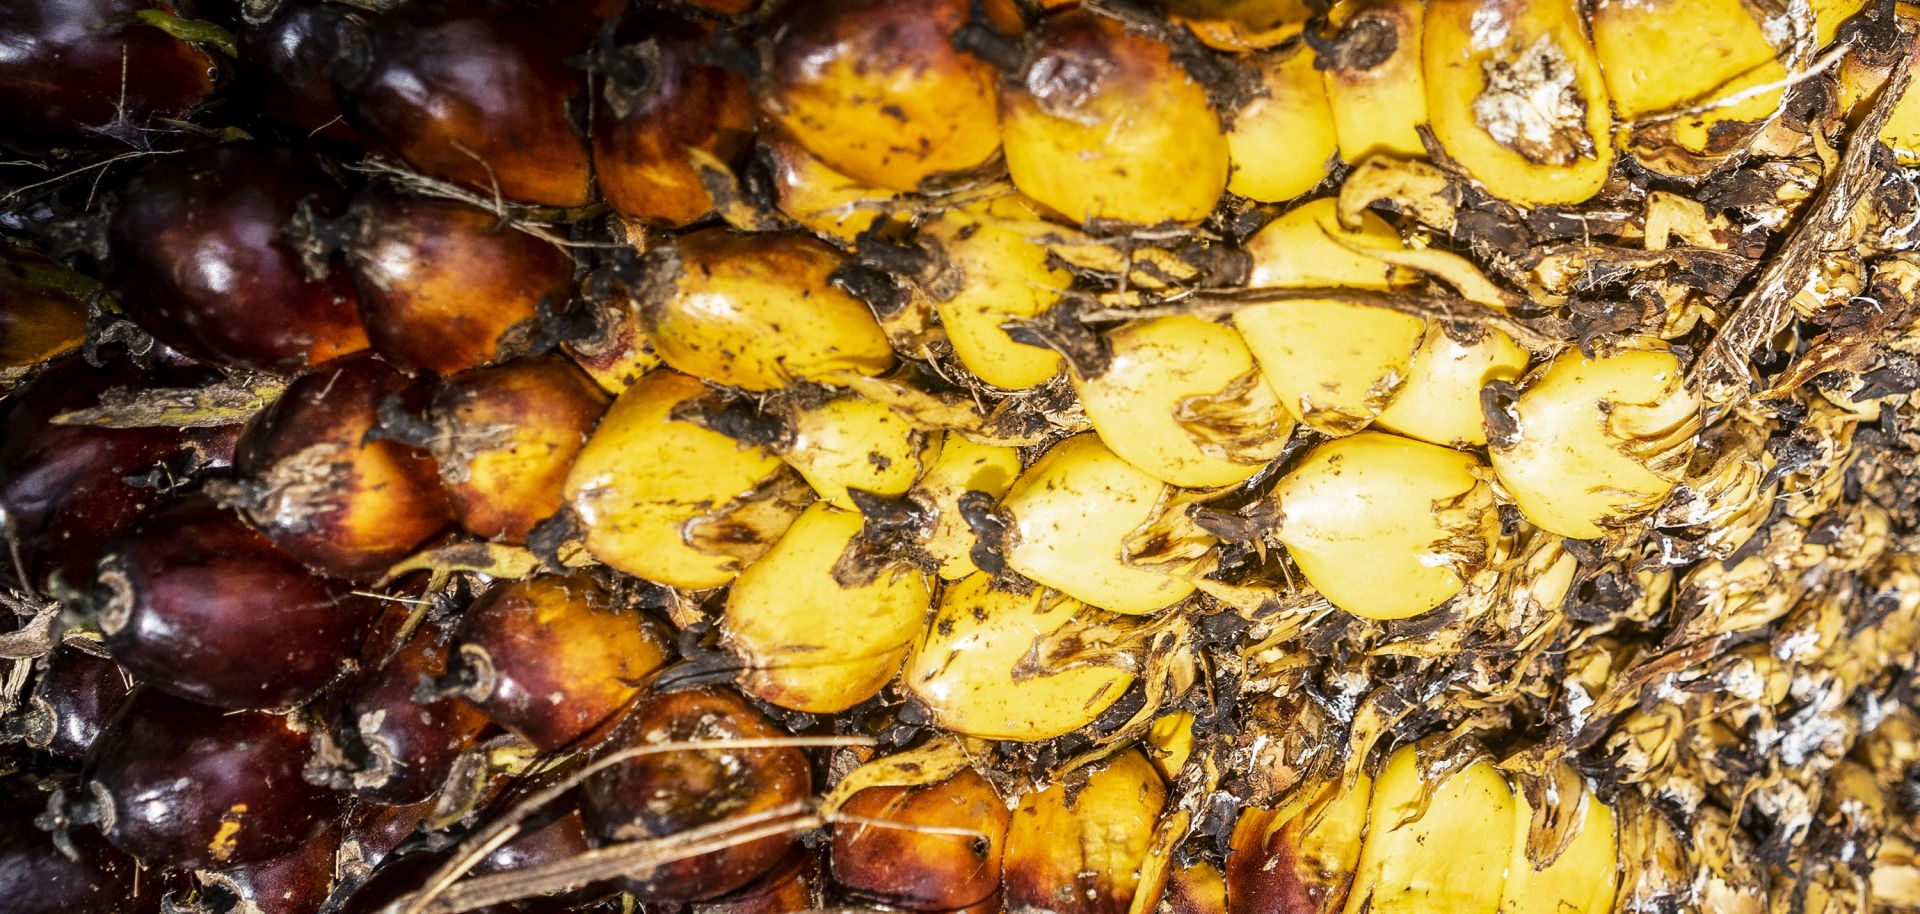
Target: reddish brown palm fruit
point(562, 838)
point(43, 309)
point(180, 784)
point(289, 60)
point(383, 743)
point(504, 438)
point(1077, 847)
point(199, 604)
point(445, 287)
point(296, 882)
point(201, 259)
point(878, 855)
point(550, 658)
point(80, 74)
point(72, 701)
point(797, 883)
point(66, 489)
point(668, 792)
point(371, 831)
point(878, 91)
point(343, 504)
point(655, 101)
point(474, 92)
point(40, 879)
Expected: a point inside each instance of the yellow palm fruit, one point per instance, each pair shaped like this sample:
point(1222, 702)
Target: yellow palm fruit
point(1515, 96)
point(810, 642)
point(1075, 516)
point(1386, 527)
point(878, 91)
point(1282, 143)
point(757, 311)
point(1440, 402)
point(857, 442)
point(1304, 855)
point(1467, 818)
point(1171, 739)
point(1373, 81)
point(1076, 848)
point(1597, 441)
point(974, 667)
point(1663, 55)
point(1182, 400)
point(822, 200)
point(1004, 276)
point(620, 353)
point(1241, 25)
point(1586, 875)
point(1194, 888)
point(649, 489)
point(962, 466)
point(1107, 125)
point(1335, 365)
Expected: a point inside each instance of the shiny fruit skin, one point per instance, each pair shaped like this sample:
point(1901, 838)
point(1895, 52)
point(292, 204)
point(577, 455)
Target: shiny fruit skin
point(445, 287)
point(661, 794)
point(558, 654)
point(61, 74)
point(290, 59)
point(344, 505)
point(646, 120)
point(474, 92)
point(384, 744)
point(193, 786)
point(64, 489)
point(42, 880)
point(921, 871)
point(206, 608)
point(73, 699)
point(505, 438)
point(201, 262)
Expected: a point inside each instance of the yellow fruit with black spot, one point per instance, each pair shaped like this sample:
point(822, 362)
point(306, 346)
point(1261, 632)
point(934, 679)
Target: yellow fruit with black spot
point(1283, 141)
point(1077, 847)
point(1001, 274)
point(1373, 78)
point(1440, 402)
point(962, 466)
point(852, 441)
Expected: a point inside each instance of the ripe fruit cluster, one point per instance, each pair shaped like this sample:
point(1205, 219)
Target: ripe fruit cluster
point(1086, 456)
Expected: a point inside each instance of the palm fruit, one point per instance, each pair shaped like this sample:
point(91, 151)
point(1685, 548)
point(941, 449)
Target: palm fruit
point(1181, 398)
point(1374, 84)
point(290, 58)
point(853, 442)
point(1301, 857)
point(1004, 274)
point(670, 500)
point(1516, 99)
point(961, 466)
point(1105, 125)
point(721, 309)
point(472, 92)
point(75, 696)
point(550, 658)
point(880, 855)
point(45, 878)
point(814, 634)
point(1090, 525)
point(504, 439)
point(825, 202)
point(1078, 845)
point(44, 312)
point(657, 102)
point(1440, 401)
point(976, 667)
point(1241, 25)
point(666, 792)
point(1425, 523)
point(1335, 365)
point(879, 92)
point(1585, 876)
point(1592, 442)
point(1467, 810)
point(1283, 141)
point(442, 287)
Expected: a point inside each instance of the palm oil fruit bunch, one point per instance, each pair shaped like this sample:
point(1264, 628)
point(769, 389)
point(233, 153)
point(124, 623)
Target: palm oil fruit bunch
point(959, 456)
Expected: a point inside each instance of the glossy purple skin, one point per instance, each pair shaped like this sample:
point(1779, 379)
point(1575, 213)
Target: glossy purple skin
point(64, 488)
point(201, 261)
point(423, 739)
point(39, 879)
point(297, 882)
point(77, 693)
point(201, 788)
point(60, 75)
point(213, 611)
point(290, 58)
